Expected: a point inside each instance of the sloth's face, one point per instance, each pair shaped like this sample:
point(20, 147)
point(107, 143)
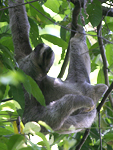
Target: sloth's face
point(44, 56)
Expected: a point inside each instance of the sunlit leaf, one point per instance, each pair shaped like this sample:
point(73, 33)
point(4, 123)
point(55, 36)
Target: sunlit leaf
point(12, 77)
point(38, 12)
point(109, 53)
point(31, 127)
point(53, 5)
point(45, 125)
point(44, 140)
point(100, 78)
point(55, 40)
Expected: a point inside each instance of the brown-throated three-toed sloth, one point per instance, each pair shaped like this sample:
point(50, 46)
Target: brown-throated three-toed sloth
point(68, 103)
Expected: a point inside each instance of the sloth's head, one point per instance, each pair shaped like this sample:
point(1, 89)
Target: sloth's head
point(38, 62)
point(44, 57)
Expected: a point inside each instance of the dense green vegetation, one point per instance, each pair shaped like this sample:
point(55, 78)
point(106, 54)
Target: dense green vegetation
point(45, 17)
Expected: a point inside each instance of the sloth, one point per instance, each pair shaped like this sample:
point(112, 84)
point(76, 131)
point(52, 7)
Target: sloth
point(70, 104)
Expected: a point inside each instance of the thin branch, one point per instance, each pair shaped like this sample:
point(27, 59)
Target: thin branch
point(83, 139)
point(18, 5)
point(55, 23)
point(8, 99)
point(65, 63)
point(102, 51)
point(105, 64)
point(105, 97)
point(98, 110)
point(73, 29)
point(99, 130)
point(106, 11)
point(75, 14)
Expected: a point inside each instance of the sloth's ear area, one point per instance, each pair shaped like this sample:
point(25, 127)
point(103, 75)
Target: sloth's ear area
point(44, 56)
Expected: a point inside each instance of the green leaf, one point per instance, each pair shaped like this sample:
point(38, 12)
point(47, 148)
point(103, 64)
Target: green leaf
point(63, 33)
point(36, 92)
point(109, 147)
point(40, 15)
point(4, 34)
point(25, 82)
point(111, 66)
point(82, 17)
point(109, 53)
point(3, 146)
point(44, 140)
point(31, 127)
point(94, 11)
point(109, 136)
point(35, 146)
point(7, 56)
point(45, 125)
point(88, 42)
point(14, 141)
point(94, 49)
point(53, 5)
point(2, 91)
point(18, 95)
point(55, 40)
point(100, 78)
point(7, 106)
point(34, 32)
point(94, 46)
point(12, 77)
point(27, 148)
point(110, 26)
point(7, 42)
point(4, 131)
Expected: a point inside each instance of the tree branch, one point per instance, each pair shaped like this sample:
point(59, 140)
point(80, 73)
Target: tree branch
point(98, 110)
point(18, 5)
point(64, 65)
point(102, 51)
point(83, 139)
point(107, 11)
point(105, 97)
point(8, 99)
point(99, 130)
point(75, 14)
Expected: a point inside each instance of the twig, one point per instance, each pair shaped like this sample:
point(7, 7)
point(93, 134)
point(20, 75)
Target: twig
point(102, 51)
point(83, 139)
point(105, 97)
point(99, 130)
point(18, 5)
point(64, 65)
point(55, 23)
point(75, 14)
point(98, 110)
point(8, 99)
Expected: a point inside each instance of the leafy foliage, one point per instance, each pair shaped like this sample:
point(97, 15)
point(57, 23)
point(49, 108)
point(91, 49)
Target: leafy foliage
point(41, 15)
